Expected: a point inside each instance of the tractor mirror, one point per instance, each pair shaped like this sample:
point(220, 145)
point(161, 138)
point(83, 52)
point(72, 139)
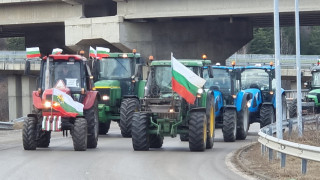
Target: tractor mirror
point(96, 70)
point(138, 71)
point(210, 72)
point(27, 68)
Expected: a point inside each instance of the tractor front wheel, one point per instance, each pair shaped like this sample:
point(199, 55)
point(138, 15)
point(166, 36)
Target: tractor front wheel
point(104, 127)
point(79, 134)
point(243, 124)
point(267, 115)
point(197, 131)
point(91, 116)
point(127, 108)
point(229, 128)
point(43, 138)
point(155, 141)
point(293, 109)
point(140, 136)
point(29, 134)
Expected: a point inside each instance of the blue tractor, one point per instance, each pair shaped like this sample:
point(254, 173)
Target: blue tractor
point(231, 109)
point(259, 82)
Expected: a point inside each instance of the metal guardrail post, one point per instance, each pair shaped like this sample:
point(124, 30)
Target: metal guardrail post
point(304, 163)
point(290, 127)
point(269, 149)
point(283, 160)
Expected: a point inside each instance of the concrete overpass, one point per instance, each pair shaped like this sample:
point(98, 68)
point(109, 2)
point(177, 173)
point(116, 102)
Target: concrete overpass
point(186, 27)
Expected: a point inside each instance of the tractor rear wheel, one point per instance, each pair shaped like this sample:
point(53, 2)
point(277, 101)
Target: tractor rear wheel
point(293, 109)
point(243, 124)
point(29, 134)
point(43, 138)
point(104, 127)
point(155, 141)
point(267, 115)
point(184, 137)
point(127, 108)
point(92, 118)
point(140, 136)
point(79, 134)
point(197, 131)
point(229, 128)
point(284, 107)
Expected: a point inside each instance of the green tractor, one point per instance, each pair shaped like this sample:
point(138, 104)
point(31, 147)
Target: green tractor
point(164, 113)
point(118, 78)
point(311, 102)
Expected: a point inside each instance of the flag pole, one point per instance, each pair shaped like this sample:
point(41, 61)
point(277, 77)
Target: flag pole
point(171, 80)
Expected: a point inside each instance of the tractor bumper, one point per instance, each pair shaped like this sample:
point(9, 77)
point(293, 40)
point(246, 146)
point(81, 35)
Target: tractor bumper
point(51, 123)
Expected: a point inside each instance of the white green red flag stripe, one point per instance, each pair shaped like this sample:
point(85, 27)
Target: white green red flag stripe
point(64, 103)
point(185, 82)
point(102, 52)
point(92, 52)
point(56, 51)
point(33, 52)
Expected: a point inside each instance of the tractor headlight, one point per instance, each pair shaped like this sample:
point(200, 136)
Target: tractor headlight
point(199, 92)
point(105, 98)
point(47, 104)
point(271, 92)
point(249, 103)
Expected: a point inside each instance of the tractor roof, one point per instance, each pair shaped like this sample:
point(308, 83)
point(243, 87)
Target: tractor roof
point(122, 55)
point(259, 67)
point(66, 57)
point(186, 62)
point(315, 68)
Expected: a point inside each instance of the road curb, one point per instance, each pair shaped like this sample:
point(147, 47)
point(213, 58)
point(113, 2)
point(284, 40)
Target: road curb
point(236, 157)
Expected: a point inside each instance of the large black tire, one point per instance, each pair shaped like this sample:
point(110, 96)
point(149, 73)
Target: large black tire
point(127, 108)
point(229, 128)
point(43, 138)
point(155, 141)
point(184, 137)
point(243, 123)
point(293, 109)
point(197, 131)
point(211, 122)
point(79, 134)
point(29, 134)
point(104, 127)
point(267, 115)
point(92, 118)
point(284, 107)
point(140, 136)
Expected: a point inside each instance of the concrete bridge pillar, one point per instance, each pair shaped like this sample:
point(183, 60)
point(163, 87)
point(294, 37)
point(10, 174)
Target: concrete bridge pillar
point(28, 85)
point(14, 96)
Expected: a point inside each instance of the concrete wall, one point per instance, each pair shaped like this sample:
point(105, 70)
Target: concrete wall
point(14, 96)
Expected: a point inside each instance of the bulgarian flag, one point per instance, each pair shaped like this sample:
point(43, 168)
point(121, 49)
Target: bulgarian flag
point(92, 52)
point(185, 82)
point(102, 52)
point(64, 103)
point(33, 52)
point(56, 51)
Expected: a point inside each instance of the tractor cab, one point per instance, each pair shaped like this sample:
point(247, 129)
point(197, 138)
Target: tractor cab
point(261, 78)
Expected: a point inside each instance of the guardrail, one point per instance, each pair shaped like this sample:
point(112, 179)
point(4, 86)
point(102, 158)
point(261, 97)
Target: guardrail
point(270, 143)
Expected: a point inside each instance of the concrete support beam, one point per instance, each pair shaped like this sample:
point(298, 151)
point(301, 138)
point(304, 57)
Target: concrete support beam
point(186, 39)
point(14, 96)
point(34, 13)
point(139, 9)
point(28, 85)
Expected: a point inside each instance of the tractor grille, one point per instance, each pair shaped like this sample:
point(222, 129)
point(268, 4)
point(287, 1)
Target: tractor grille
point(168, 115)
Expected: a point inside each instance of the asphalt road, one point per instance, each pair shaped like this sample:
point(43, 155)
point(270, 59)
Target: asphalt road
point(115, 159)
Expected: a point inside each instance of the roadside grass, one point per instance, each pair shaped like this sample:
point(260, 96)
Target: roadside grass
point(252, 159)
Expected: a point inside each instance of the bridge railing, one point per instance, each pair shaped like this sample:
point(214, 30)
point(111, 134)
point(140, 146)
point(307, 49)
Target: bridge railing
point(270, 143)
point(286, 61)
point(15, 61)
point(292, 94)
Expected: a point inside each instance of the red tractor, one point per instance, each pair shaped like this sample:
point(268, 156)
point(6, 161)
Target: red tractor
point(65, 101)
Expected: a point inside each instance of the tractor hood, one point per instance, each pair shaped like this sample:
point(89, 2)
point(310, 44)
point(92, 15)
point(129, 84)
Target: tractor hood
point(107, 84)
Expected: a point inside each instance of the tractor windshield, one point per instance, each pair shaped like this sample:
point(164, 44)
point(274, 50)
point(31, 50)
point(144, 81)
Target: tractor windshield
point(315, 82)
point(255, 78)
point(221, 81)
point(163, 77)
point(68, 72)
point(115, 68)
